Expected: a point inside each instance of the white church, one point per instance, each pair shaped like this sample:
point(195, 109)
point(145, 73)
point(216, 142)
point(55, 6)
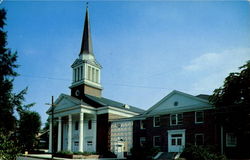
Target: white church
point(82, 120)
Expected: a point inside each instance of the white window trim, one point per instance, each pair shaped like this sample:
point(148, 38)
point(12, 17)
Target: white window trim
point(154, 121)
point(196, 117)
point(176, 119)
point(154, 140)
point(230, 145)
point(199, 134)
point(141, 124)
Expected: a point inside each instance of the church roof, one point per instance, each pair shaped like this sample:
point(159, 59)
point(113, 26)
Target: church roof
point(108, 102)
point(86, 46)
point(203, 96)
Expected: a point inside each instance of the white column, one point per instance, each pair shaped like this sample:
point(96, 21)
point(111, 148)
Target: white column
point(59, 140)
point(94, 131)
point(50, 135)
point(81, 132)
point(70, 133)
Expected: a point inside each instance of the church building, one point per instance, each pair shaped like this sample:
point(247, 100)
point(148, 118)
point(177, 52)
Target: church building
point(82, 119)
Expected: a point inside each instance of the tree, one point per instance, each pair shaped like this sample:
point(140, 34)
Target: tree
point(9, 101)
point(232, 102)
point(29, 127)
point(236, 89)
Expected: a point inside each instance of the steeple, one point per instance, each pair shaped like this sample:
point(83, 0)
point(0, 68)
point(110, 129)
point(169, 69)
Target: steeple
point(86, 47)
point(86, 78)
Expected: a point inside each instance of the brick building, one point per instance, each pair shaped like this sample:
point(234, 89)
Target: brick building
point(175, 121)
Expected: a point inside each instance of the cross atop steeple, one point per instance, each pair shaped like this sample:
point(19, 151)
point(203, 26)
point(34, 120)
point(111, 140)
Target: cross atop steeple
point(86, 47)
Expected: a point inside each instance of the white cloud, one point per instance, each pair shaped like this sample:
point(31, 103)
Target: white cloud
point(210, 69)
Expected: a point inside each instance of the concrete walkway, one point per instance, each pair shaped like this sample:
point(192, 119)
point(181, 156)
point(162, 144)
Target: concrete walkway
point(48, 156)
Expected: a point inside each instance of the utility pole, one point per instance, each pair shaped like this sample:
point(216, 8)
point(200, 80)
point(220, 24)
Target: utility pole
point(52, 128)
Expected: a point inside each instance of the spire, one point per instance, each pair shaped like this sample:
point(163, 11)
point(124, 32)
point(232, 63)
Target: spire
point(86, 38)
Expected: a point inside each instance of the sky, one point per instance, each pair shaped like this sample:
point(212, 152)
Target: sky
point(146, 48)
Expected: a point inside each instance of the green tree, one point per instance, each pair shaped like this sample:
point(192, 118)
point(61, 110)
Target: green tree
point(29, 127)
point(232, 102)
point(236, 89)
point(9, 101)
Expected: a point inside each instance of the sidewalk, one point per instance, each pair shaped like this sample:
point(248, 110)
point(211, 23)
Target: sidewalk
point(48, 156)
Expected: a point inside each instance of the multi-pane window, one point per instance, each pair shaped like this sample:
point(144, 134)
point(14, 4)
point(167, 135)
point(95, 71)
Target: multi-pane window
point(143, 124)
point(199, 139)
point(199, 117)
point(156, 121)
point(142, 141)
point(157, 141)
point(231, 140)
point(176, 139)
point(176, 119)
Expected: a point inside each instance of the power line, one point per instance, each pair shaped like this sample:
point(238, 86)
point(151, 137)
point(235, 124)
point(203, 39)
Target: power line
point(44, 77)
point(110, 84)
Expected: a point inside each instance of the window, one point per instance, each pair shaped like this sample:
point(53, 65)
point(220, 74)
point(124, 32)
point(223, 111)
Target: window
point(176, 119)
point(199, 117)
point(93, 75)
point(74, 75)
point(89, 143)
point(231, 140)
point(156, 121)
point(76, 144)
point(78, 74)
point(176, 139)
point(89, 124)
point(89, 72)
point(176, 103)
point(199, 139)
point(97, 76)
point(142, 141)
point(143, 124)
point(156, 141)
point(76, 125)
point(81, 74)
point(118, 125)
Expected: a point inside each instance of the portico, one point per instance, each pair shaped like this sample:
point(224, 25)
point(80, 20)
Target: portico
point(76, 128)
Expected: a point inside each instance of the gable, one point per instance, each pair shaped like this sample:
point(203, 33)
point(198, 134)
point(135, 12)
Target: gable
point(179, 102)
point(64, 103)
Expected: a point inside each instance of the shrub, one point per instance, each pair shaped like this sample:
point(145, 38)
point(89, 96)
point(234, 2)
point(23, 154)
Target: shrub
point(192, 152)
point(9, 149)
point(64, 152)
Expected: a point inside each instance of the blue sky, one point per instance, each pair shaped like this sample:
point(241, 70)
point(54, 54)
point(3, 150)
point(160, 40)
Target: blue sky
point(146, 48)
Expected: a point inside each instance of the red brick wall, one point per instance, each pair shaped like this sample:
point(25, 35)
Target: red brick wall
point(207, 128)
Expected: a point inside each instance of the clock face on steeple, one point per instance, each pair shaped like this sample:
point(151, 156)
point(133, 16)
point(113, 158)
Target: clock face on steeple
point(77, 92)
